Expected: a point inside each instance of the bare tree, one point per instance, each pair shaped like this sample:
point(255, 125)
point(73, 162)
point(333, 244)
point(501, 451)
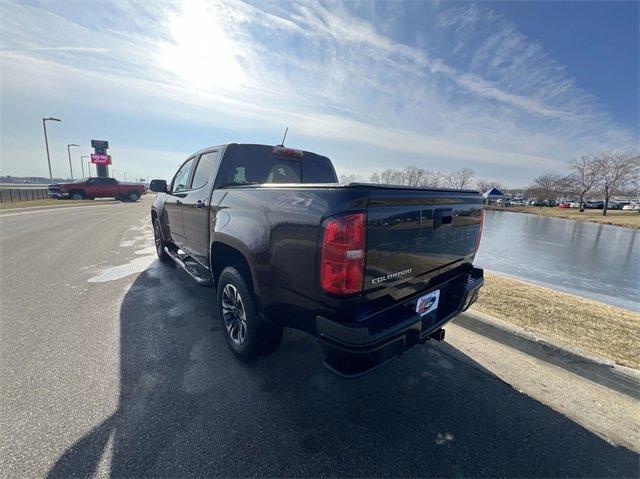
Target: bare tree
point(460, 178)
point(412, 175)
point(616, 170)
point(431, 179)
point(352, 178)
point(388, 177)
point(484, 185)
point(408, 176)
point(633, 189)
point(584, 177)
point(548, 186)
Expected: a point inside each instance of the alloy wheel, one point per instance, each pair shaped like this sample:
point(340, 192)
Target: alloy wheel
point(157, 239)
point(234, 315)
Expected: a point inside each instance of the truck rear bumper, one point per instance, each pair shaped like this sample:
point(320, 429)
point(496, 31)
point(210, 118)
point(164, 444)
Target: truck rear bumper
point(357, 347)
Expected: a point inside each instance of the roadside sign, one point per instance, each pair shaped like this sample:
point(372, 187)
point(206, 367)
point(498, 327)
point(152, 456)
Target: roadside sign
point(98, 159)
point(100, 144)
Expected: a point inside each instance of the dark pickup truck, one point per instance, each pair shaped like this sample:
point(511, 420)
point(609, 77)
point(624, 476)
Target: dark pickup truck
point(369, 270)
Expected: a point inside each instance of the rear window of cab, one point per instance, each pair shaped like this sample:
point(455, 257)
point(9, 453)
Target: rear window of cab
point(256, 164)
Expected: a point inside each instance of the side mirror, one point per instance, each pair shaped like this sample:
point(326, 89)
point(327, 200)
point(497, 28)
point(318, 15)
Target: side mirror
point(159, 186)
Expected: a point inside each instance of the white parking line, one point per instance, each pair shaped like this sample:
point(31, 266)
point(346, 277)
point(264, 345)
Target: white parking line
point(49, 209)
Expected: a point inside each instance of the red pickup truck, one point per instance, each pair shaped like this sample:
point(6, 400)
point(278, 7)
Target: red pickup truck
point(90, 188)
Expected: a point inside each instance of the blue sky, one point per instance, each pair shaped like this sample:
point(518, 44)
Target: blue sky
point(509, 89)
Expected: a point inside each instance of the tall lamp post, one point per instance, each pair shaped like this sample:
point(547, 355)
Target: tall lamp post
point(82, 165)
point(69, 153)
point(46, 142)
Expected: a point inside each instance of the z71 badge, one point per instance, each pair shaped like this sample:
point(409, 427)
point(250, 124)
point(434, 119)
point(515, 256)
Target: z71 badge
point(293, 202)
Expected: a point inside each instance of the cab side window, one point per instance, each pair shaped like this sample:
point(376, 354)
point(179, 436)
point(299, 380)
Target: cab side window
point(205, 169)
point(180, 181)
point(102, 181)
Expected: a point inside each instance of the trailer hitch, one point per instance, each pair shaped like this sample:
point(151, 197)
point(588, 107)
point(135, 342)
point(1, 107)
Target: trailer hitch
point(438, 335)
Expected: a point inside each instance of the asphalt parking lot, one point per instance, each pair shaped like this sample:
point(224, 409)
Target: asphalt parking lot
point(115, 364)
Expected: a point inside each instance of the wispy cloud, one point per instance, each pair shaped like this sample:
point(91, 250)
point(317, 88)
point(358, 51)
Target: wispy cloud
point(56, 49)
point(463, 85)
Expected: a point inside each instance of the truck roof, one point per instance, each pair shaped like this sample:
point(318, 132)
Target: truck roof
point(233, 143)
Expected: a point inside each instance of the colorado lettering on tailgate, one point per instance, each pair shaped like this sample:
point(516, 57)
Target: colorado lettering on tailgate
point(390, 276)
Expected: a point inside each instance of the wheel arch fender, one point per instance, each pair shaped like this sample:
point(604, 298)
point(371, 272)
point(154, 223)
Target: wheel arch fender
point(226, 250)
point(158, 211)
point(78, 190)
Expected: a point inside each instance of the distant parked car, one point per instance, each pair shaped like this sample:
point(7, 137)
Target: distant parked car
point(574, 204)
point(564, 205)
point(631, 207)
point(594, 205)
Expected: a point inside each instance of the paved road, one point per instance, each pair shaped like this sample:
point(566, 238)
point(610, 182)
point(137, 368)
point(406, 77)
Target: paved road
point(114, 364)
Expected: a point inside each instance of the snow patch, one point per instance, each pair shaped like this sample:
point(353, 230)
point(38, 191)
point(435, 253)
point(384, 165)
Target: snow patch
point(137, 265)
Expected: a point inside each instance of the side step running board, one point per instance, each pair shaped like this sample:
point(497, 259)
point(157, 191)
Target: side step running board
point(177, 260)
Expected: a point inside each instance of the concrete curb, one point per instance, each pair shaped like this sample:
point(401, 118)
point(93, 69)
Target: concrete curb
point(595, 368)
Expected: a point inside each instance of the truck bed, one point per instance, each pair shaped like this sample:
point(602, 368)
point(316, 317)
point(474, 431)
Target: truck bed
point(413, 234)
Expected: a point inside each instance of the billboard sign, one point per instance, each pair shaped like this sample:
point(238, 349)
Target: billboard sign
point(100, 144)
point(98, 159)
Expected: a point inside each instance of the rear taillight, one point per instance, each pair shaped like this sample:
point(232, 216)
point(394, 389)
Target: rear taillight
point(343, 254)
point(479, 235)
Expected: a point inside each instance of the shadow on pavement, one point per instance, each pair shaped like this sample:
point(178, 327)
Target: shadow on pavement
point(188, 408)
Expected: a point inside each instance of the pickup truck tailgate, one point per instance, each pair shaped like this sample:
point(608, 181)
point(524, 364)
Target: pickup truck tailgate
point(414, 234)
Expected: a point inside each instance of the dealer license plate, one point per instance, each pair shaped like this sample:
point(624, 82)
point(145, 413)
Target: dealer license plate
point(428, 303)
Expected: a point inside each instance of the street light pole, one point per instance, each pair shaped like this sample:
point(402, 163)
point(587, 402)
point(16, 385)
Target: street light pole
point(82, 165)
point(46, 142)
point(125, 176)
point(89, 166)
point(69, 153)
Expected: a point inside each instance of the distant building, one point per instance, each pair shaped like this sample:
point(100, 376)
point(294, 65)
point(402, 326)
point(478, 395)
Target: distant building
point(493, 195)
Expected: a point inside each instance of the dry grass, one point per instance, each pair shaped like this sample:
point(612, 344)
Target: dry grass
point(47, 202)
point(592, 326)
point(629, 219)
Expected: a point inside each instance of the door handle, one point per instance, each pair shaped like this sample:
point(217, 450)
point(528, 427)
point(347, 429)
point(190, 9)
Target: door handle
point(199, 204)
point(178, 203)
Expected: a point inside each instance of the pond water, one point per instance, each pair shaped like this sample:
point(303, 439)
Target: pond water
point(599, 262)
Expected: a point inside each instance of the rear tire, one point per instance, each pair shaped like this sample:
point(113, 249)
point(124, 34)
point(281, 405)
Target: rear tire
point(247, 333)
point(77, 195)
point(133, 196)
